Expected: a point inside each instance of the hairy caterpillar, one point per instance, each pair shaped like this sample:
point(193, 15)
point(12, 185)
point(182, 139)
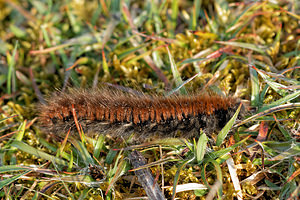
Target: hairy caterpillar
point(119, 114)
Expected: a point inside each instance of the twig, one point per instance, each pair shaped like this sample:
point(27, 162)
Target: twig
point(145, 177)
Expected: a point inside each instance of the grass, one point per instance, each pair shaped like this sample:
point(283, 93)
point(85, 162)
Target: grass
point(247, 49)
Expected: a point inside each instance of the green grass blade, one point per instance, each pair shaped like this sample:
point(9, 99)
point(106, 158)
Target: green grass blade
point(219, 174)
point(17, 31)
point(6, 118)
point(269, 111)
point(196, 10)
point(52, 148)
point(118, 171)
point(36, 194)
point(31, 150)
point(222, 152)
point(239, 22)
point(201, 147)
point(274, 85)
point(83, 152)
point(98, 146)
point(8, 181)
point(223, 133)
point(255, 101)
point(182, 85)
point(123, 54)
point(177, 175)
point(294, 151)
point(11, 168)
point(71, 161)
point(263, 93)
point(156, 18)
point(110, 156)
point(213, 26)
point(281, 101)
point(285, 133)
point(173, 23)
point(20, 133)
point(11, 75)
point(192, 60)
point(76, 25)
point(277, 146)
point(175, 72)
point(48, 42)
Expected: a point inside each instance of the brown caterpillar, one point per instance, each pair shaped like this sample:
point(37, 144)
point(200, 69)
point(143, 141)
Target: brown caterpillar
point(119, 114)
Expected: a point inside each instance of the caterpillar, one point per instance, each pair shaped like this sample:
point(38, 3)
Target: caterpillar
point(119, 114)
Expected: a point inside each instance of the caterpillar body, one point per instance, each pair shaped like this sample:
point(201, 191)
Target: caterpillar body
point(113, 112)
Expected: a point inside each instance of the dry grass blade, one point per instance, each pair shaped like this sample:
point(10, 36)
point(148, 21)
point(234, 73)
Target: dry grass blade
point(234, 178)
